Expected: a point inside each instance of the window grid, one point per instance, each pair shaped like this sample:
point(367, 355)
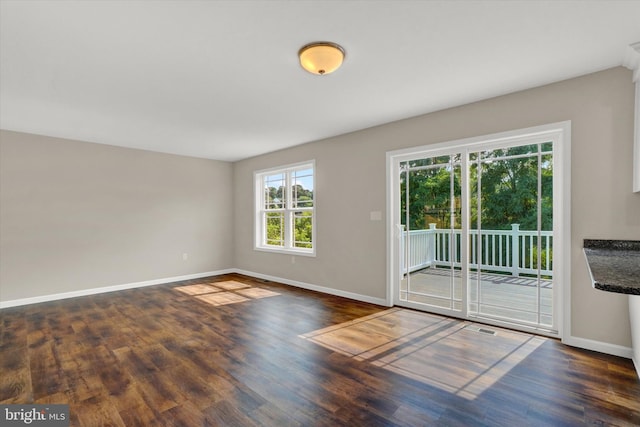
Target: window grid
point(286, 214)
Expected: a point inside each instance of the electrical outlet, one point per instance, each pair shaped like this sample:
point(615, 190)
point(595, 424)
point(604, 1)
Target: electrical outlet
point(185, 256)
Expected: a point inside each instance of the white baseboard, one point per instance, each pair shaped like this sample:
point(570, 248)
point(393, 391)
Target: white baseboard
point(636, 363)
point(317, 288)
point(599, 346)
point(104, 289)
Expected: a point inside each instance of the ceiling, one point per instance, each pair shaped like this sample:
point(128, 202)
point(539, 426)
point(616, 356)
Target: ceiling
point(220, 79)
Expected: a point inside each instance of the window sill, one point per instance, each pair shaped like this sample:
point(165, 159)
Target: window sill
point(297, 252)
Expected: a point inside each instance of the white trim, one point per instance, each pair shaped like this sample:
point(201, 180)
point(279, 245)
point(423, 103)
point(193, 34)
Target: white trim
point(496, 140)
point(105, 289)
point(636, 140)
point(632, 62)
point(317, 288)
point(392, 230)
point(634, 320)
point(562, 183)
point(599, 346)
point(292, 251)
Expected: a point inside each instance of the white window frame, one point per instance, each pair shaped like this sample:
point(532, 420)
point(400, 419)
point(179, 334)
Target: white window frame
point(260, 238)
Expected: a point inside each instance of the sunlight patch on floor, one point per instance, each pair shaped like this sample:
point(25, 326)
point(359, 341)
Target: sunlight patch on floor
point(197, 289)
point(223, 293)
point(438, 351)
point(256, 293)
point(222, 298)
point(231, 285)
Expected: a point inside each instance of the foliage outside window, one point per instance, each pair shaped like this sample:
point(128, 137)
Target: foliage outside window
point(285, 209)
point(508, 193)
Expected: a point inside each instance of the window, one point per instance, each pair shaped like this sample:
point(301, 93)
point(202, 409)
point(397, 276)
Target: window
point(285, 209)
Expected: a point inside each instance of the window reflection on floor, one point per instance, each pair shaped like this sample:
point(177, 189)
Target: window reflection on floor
point(227, 292)
point(457, 356)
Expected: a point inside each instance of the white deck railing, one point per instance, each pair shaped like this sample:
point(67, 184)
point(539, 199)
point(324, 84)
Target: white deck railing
point(512, 251)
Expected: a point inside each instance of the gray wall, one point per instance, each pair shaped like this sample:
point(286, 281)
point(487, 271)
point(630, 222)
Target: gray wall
point(75, 215)
point(351, 249)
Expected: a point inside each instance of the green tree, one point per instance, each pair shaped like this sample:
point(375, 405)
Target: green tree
point(303, 229)
point(275, 228)
point(430, 197)
point(509, 190)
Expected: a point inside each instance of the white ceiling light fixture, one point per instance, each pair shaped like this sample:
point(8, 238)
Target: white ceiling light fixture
point(321, 57)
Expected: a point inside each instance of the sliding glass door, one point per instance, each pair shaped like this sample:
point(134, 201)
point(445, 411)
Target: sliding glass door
point(430, 215)
point(474, 231)
point(511, 234)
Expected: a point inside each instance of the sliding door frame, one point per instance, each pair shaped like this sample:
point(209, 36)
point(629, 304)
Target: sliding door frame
point(560, 134)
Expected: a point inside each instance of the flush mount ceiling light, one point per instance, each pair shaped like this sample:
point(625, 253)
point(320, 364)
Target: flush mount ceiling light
point(321, 57)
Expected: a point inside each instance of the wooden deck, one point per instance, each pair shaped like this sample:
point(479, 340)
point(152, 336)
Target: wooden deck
point(235, 351)
point(494, 295)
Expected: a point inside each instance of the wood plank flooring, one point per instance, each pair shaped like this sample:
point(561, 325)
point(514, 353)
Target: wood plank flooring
point(232, 350)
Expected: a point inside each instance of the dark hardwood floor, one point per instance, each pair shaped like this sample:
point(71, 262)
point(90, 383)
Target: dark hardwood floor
point(236, 351)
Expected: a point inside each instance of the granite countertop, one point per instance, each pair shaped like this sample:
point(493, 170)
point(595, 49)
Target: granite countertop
point(614, 265)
